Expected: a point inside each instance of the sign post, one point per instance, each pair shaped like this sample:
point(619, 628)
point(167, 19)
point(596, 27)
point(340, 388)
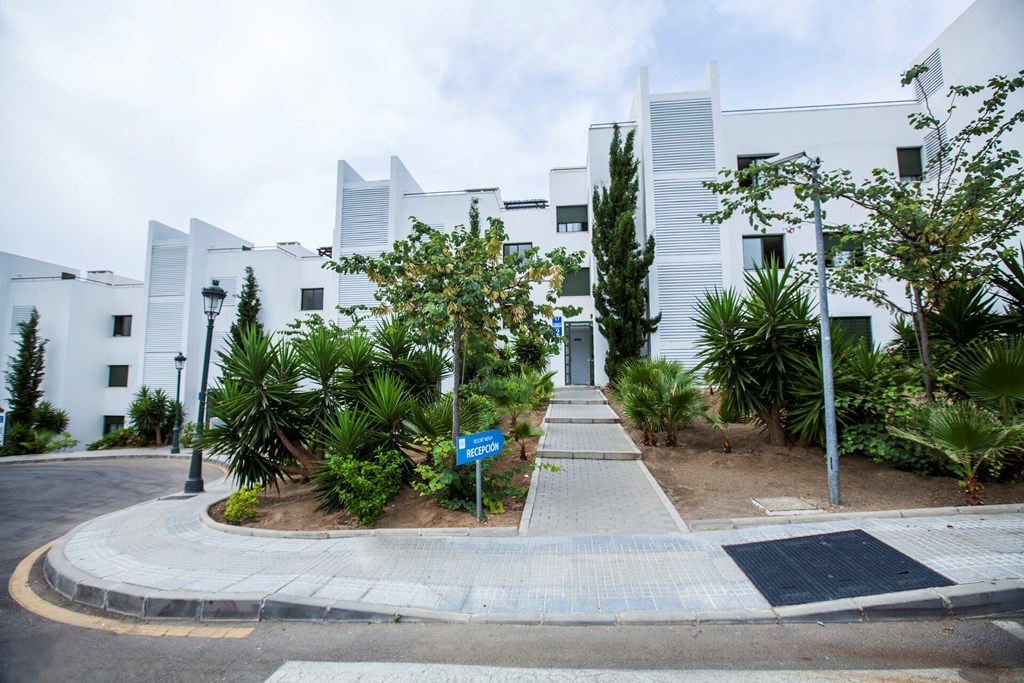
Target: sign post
point(474, 448)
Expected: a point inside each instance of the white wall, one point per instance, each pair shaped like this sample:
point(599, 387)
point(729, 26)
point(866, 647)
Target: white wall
point(77, 317)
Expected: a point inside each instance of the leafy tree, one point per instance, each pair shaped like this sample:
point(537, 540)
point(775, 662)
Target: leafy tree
point(620, 295)
point(457, 285)
point(945, 232)
point(248, 307)
point(25, 374)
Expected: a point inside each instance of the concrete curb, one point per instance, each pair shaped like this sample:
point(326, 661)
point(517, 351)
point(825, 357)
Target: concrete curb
point(988, 599)
point(531, 495)
point(207, 520)
point(43, 458)
point(699, 525)
point(669, 507)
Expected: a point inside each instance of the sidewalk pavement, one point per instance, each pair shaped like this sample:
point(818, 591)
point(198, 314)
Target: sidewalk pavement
point(166, 558)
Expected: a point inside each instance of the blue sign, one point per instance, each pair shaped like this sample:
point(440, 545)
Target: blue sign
point(473, 447)
point(556, 323)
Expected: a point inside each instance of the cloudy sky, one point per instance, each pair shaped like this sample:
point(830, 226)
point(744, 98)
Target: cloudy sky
point(116, 112)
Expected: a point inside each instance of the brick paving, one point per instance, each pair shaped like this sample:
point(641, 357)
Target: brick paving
point(601, 544)
point(580, 413)
point(163, 546)
point(599, 497)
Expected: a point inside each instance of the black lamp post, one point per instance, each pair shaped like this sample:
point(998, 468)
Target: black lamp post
point(213, 299)
point(179, 365)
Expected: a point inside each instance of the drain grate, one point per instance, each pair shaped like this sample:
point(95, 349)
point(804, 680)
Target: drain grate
point(794, 571)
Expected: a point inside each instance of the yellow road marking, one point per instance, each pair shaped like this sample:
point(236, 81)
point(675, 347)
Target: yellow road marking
point(27, 598)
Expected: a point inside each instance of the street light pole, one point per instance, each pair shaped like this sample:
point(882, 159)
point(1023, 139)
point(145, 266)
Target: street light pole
point(828, 385)
point(179, 365)
point(831, 438)
point(213, 299)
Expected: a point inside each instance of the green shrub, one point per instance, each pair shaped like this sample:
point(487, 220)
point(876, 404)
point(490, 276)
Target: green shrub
point(530, 353)
point(454, 486)
point(361, 487)
point(48, 418)
point(242, 504)
point(188, 432)
point(122, 438)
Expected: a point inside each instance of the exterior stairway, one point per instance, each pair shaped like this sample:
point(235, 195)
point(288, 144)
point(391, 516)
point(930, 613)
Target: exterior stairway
point(580, 425)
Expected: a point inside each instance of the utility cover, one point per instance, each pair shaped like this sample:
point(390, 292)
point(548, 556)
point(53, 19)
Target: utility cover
point(847, 564)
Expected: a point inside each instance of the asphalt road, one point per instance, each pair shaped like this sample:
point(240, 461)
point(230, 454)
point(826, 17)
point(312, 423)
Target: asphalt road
point(41, 502)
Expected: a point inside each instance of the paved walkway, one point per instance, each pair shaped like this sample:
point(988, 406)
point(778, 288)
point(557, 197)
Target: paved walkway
point(609, 492)
point(617, 557)
point(580, 425)
point(159, 559)
point(588, 497)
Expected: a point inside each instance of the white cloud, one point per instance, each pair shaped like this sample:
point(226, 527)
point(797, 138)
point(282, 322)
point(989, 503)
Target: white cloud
point(235, 112)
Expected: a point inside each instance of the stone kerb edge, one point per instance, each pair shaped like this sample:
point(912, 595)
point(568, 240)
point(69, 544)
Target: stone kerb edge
point(207, 520)
point(999, 597)
point(1004, 597)
point(698, 525)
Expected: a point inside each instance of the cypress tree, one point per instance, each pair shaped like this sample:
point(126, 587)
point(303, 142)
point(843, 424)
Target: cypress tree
point(248, 307)
point(25, 374)
point(620, 295)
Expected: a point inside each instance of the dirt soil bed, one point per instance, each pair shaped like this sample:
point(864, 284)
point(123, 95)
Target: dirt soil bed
point(293, 506)
point(705, 483)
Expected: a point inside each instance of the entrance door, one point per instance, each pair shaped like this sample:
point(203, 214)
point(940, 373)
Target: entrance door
point(579, 360)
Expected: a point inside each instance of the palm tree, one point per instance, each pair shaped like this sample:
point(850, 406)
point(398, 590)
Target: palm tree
point(969, 435)
point(992, 372)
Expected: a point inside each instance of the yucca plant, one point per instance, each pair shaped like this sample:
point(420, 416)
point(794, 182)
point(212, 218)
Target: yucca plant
point(388, 404)
point(753, 346)
point(321, 357)
point(148, 413)
point(992, 373)
point(970, 436)
point(260, 413)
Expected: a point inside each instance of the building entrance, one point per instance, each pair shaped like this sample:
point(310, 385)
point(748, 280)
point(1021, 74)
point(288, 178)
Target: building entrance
point(579, 353)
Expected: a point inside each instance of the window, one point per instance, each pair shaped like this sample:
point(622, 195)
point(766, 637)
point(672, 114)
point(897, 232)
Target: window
point(113, 423)
point(577, 284)
point(313, 299)
point(122, 326)
point(571, 218)
point(839, 253)
point(759, 250)
point(854, 328)
point(516, 248)
point(744, 162)
point(118, 376)
point(909, 161)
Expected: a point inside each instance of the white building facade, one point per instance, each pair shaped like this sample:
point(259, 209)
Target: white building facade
point(682, 139)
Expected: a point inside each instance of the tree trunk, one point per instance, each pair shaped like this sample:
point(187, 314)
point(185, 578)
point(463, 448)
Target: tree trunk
point(773, 423)
point(925, 345)
point(305, 458)
point(456, 376)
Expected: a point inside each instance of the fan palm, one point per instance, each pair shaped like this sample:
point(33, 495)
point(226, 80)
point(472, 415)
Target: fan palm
point(992, 372)
point(968, 435)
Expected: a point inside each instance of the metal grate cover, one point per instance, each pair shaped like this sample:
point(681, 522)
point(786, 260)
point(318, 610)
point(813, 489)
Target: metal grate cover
point(846, 564)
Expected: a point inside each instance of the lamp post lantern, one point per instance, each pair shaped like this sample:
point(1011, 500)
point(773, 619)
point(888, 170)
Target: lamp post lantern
point(179, 365)
point(213, 299)
point(828, 386)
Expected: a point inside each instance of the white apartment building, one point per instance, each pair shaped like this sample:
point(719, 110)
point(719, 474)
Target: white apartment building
point(682, 139)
